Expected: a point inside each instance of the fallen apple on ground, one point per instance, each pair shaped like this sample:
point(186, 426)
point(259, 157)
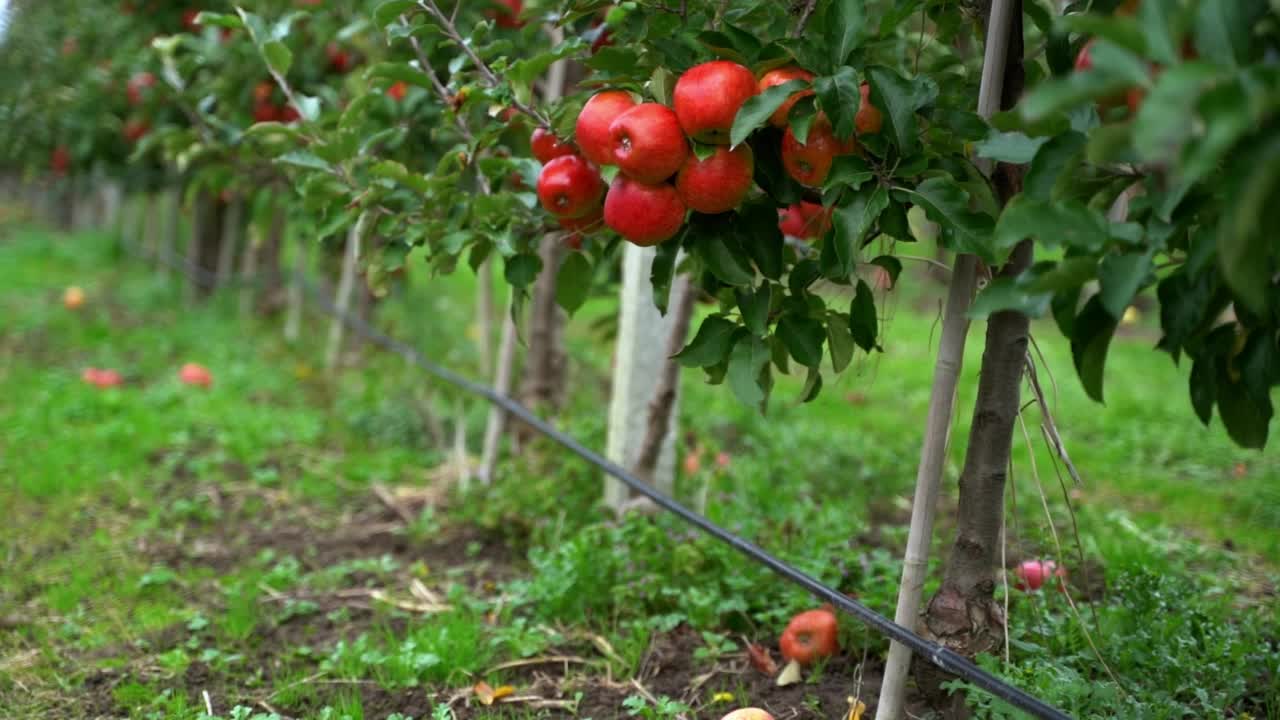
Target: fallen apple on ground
point(1033, 574)
point(748, 714)
point(73, 298)
point(195, 374)
point(811, 635)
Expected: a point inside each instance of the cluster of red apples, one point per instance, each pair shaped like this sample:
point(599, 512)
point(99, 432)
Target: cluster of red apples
point(660, 177)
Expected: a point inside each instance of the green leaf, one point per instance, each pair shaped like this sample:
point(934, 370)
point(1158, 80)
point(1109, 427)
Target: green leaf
point(863, 323)
point(845, 21)
point(660, 273)
point(756, 110)
point(725, 258)
point(573, 282)
point(848, 171)
point(1004, 294)
point(747, 361)
point(754, 306)
point(390, 11)
point(522, 269)
point(1067, 223)
point(711, 344)
point(401, 72)
point(840, 97)
point(1204, 386)
point(852, 223)
point(1121, 31)
point(1167, 118)
point(1223, 30)
point(1154, 18)
point(1245, 417)
point(1090, 338)
point(1120, 278)
point(1111, 74)
point(947, 204)
point(395, 171)
point(803, 337)
point(1051, 164)
point(1246, 249)
point(1010, 147)
point(812, 385)
point(899, 99)
point(278, 56)
point(304, 159)
point(223, 20)
point(757, 228)
point(839, 341)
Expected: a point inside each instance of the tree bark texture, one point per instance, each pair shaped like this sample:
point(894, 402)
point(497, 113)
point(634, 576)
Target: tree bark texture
point(963, 614)
point(664, 395)
point(271, 287)
point(543, 382)
point(206, 241)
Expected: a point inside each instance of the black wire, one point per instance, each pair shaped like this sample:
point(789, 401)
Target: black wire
point(942, 657)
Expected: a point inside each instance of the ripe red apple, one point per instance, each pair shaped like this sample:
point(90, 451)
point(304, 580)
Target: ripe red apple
point(339, 59)
point(508, 16)
point(809, 163)
point(263, 91)
point(547, 147)
point(569, 186)
point(748, 714)
point(868, 119)
point(136, 129)
point(289, 114)
point(265, 112)
point(811, 635)
point(398, 90)
point(1033, 574)
point(138, 86)
point(692, 462)
point(642, 214)
point(591, 130)
point(1084, 63)
point(60, 160)
point(189, 19)
point(707, 98)
point(73, 298)
point(722, 459)
point(195, 374)
point(719, 183)
point(600, 36)
point(592, 221)
point(778, 77)
point(648, 145)
point(804, 220)
point(101, 378)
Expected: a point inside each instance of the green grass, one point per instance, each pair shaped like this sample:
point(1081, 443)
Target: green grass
point(120, 501)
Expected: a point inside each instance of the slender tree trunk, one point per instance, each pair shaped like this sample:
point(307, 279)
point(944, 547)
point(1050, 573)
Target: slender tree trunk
point(544, 371)
point(963, 614)
point(271, 290)
point(249, 270)
point(206, 236)
point(664, 395)
point(293, 314)
point(169, 206)
point(232, 232)
point(502, 384)
point(346, 288)
point(484, 317)
point(946, 374)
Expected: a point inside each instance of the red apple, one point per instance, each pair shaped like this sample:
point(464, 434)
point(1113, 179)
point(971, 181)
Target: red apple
point(600, 36)
point(778, 77)
point(73, 298)
point(136, 129)
point(289, 114)
point(642, 214)
point(810, 162)
point(719, 183)
point(591, 131)
point(101, 378)
point(189, 19)
point(722, 459)
point(588, 223)
point(868, 119)
point(547, 147)
point(648, 145)
point(1033, 574)
point(195, 374)
point(692, 462)
point(339, 59)
point(265, 112)
point(60, 160)
point(569, 186)
point(707, 98)
point(748, 714)
point(810, 636)
point(398, 90)
point(262, 91)
point(138, 86)
point(804, 220)
point(508, 16)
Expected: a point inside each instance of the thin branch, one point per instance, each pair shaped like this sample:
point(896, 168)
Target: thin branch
point(805, 14)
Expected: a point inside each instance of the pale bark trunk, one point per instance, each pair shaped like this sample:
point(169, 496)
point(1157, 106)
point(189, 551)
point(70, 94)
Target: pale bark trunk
point(249, 270)
point(544, 371)
point(346, 288)
point(502, 384)
point(484, 319)
point(661, 408)
point(270, 281)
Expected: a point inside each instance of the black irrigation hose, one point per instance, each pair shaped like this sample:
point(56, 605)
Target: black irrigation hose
point(942, 657)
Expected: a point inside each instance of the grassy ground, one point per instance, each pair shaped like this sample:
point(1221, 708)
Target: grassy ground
point(289, 543)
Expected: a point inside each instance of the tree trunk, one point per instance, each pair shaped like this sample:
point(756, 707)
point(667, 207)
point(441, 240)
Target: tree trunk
point(271, 290)
point(664, 395)
point(170, 203)
point(346, 288)
point(1001, 27)
point(294, 301)
point(963, 615)
point(206, 237)
point(502, 384)
point(484, 321)
point(231, 241)
point(543, 379)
